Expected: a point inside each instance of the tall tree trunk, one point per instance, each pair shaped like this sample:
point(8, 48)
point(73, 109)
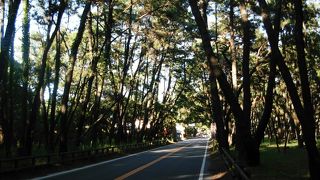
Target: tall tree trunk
point(45, 108)
point(150, 95)
point(108, 16)
point(108, 31)
point(305, 114)
point(126, 64)
point(243, 128)
point(245, 64)
point(68, 80)
point(26, 64)
point(309, 125)
point(233, 47)
point(44, 114)
point(7, 40)
point(93, 73)
point(52, 118)
point(222, 135)
point(216, 106)
point(95, 110)
point(11, 103)
point(259, 134)
point(36, 100)
point(245, 72)
point(6, 44)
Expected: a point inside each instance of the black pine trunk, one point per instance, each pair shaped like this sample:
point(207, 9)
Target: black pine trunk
point(308, 126)
point(243, 128)
point(68, 80)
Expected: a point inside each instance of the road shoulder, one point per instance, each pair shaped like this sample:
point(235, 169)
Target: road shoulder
point(216, 168)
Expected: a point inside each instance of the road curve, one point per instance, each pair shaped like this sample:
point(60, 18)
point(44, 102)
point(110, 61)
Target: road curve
point(182, 160)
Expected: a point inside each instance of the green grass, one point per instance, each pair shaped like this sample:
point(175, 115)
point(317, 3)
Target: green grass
point(289, 164)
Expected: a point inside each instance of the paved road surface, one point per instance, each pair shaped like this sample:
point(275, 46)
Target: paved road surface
point(183, 160)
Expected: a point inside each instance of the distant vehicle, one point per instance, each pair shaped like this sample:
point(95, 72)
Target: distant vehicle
point(179, 136)
point(203, 135)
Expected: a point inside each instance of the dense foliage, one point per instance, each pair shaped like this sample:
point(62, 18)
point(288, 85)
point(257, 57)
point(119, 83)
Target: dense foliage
point(76, 74)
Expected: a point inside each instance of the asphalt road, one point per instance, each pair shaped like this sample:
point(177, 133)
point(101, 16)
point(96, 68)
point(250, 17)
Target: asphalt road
point(183, 160)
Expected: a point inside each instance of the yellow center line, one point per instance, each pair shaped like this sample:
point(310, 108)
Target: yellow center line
point(149, 164)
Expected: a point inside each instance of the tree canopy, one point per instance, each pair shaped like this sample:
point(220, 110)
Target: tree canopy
point(78, 74)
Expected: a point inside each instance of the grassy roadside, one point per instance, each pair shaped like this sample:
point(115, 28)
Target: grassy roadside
point(289, 164)
point(277, 163)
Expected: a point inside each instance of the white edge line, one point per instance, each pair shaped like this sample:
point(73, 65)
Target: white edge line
point(203, 163)
point(93, 165)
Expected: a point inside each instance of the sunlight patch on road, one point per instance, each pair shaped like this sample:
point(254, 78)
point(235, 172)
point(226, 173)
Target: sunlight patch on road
point(217, 176)
point(162, 151)
point(195, 147)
